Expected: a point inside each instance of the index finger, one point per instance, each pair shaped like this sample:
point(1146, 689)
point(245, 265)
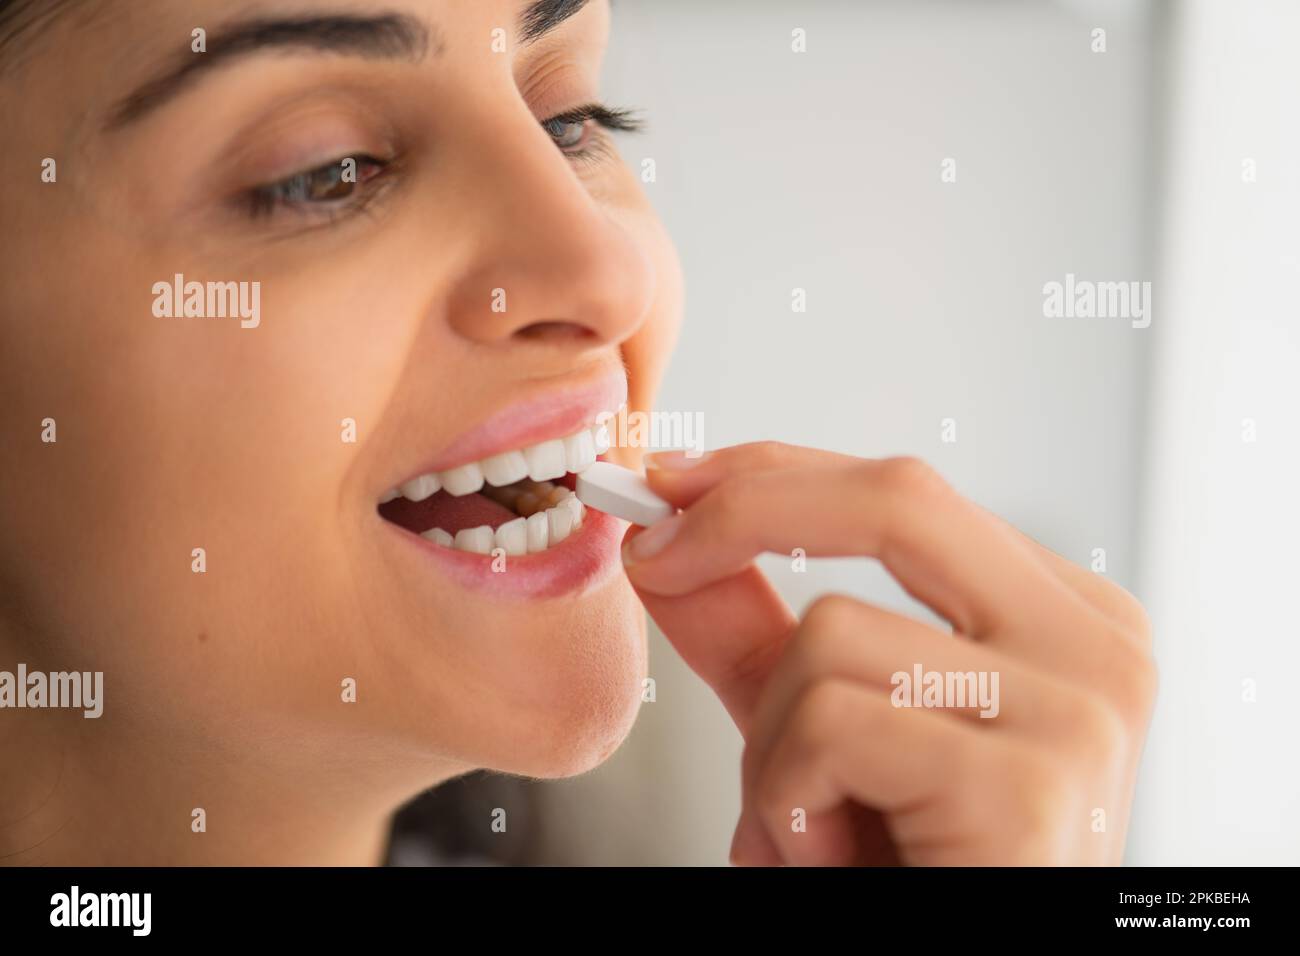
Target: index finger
point(945, 552)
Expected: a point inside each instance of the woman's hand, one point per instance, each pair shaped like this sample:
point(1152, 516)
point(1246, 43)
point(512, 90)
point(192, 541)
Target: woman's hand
point(1047, 780)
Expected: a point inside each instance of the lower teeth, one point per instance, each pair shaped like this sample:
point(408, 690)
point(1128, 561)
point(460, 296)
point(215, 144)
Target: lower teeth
point(548, 513)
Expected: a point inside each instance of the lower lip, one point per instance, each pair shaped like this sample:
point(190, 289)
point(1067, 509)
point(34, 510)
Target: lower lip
point(579, 563)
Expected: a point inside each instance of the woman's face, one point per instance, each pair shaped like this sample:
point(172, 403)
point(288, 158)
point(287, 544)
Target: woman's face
point(485, 284)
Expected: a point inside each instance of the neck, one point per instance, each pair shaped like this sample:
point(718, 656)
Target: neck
point(98, 792)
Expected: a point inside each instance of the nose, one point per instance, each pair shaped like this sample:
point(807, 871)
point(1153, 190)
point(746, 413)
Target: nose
point(549, 263)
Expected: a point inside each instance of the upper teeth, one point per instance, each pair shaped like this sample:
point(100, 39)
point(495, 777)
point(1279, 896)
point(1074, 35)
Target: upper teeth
point(520, 480)
point(541, 462)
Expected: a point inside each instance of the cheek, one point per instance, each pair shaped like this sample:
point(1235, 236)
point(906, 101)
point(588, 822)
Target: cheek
point(177, 434)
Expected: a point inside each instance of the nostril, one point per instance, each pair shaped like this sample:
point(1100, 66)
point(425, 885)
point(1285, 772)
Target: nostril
point(555, 332)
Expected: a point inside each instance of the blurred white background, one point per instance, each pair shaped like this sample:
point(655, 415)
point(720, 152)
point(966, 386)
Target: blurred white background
point(821, 171)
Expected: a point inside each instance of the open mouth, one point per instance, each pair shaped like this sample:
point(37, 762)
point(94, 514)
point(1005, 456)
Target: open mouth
point(520, 501)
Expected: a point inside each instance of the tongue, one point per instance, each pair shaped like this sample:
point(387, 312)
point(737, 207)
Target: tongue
point(444, 511)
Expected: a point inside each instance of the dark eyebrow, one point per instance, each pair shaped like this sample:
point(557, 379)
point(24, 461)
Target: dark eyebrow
point(542, 16)
point(391, 36)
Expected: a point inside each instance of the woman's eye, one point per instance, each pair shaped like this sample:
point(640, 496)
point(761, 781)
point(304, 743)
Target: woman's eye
point(567, 133)
point(335, 183)
point(580, 132)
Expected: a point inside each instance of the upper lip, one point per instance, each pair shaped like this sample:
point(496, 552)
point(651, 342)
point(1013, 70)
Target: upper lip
point(555, 412)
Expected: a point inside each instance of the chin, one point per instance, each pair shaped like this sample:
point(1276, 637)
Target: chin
point(583, 696)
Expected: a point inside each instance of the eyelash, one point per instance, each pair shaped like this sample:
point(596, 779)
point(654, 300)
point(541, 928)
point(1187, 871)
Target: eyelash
point(263, 201)
point(592, 148)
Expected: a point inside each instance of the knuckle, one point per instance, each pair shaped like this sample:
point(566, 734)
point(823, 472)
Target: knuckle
point(829, 614)
point(1097, 732)
point(1043, 804)
point(910, 477)
point(1037, 793)
point(1127, 677)
point(1012, 792)
point(1136, 682)
point(1137, 619)
point(1131, 616)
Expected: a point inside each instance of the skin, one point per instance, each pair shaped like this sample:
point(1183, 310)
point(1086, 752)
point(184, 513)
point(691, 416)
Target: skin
point(873, 782)
point(223, 689)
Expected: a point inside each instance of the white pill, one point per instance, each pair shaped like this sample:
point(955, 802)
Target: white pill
point(621, 492)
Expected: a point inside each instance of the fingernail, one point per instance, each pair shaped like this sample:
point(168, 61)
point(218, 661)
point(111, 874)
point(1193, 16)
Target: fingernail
point(675, 460)
point(652, 540)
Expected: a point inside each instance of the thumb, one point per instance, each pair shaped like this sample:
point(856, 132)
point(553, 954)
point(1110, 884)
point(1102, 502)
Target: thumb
point(729, 632)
